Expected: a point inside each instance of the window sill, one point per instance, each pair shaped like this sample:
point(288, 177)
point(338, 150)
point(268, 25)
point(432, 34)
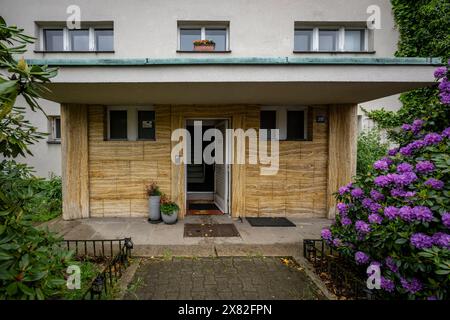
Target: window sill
point(54, 141)
point(335, 52)
point(44, 51)
point(192, 51)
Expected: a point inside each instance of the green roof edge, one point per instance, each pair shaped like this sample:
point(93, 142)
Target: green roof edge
point(238, 61)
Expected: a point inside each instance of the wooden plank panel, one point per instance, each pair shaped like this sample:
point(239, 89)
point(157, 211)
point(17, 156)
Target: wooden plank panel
point(342, 149)
point(75, 167)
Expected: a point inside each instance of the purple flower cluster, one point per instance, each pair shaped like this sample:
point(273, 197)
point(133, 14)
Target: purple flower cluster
point(412, 286)
point(387, 284)
point(346, 221)
point(444, 88)
point(446, 219)
point(415, 127)
point(419, 213)
point(362, 227)
point(440, 72)
point(425, 167)
point(393, 152)
point(402, 193)
point(434, 184)
point(442, 240)
point(391, 212)
point(413, 146)
point(361, 257)
point(373, 206)
point(403, 179)
point(432, 138)
point(421, 241)
point(376, 195)
point(391, 264)
point(446, 133)
point(404, 167)
point(345, 189)
point(326, 234)
point(337, 242)
point(342, 208)
point(381, 165)
point(375, 218)
point(357, 193)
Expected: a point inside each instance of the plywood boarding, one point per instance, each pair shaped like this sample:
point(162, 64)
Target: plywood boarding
point(119, 170)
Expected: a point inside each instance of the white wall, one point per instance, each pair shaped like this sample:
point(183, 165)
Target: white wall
point(46, 157)
point(391, 103)
point(148, 28)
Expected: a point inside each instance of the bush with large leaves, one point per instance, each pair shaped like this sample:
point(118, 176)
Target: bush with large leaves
point(397, 216)
point(32, 263)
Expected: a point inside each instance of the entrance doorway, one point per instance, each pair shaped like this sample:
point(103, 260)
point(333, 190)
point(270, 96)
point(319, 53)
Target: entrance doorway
point(207, 184)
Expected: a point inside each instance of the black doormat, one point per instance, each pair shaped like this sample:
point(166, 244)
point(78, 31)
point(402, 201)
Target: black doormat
point(210, 230)
point(202, 206)
point(270, 222)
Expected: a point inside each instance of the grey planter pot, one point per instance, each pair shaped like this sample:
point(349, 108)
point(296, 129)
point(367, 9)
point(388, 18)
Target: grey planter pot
point(170, 219)
point(153, 207)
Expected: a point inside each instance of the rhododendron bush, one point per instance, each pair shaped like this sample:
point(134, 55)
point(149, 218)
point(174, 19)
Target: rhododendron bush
point(397, 216)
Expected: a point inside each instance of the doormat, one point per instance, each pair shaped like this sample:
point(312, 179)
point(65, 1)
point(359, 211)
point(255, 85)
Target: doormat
point(210, 230)
point(202, 206)
point(270, 222)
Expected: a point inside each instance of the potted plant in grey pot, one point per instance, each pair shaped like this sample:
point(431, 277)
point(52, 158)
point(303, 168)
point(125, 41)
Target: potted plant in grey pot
point(169, 211)
point(154, 199)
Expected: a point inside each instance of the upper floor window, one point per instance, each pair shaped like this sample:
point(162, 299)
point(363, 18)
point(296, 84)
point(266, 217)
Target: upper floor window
point(189, 33)
point(87, 39)
point(329, 39)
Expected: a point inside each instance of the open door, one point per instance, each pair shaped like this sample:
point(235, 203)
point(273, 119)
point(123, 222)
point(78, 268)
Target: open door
point(221, 173)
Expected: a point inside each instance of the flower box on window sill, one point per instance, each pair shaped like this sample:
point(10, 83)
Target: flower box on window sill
point(204, 45)
point(204, 48)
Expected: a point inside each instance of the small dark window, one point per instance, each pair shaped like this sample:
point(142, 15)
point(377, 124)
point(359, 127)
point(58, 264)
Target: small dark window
point(146, 125)
point(296, 125)
point(57, 125)
point(118, 124)
point(268, 120)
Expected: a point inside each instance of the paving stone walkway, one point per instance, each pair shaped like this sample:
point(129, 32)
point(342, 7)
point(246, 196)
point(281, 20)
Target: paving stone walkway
point(266, 278)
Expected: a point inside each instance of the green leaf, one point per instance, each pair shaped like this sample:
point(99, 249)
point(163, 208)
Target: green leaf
point(401, 241)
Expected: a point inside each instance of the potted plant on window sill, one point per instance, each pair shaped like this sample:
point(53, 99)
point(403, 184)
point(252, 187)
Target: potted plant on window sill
point(204, 45)
point(154, 194)
point(169, 211)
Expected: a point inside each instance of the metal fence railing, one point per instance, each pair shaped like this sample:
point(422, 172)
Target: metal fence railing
point(116, 254)
point(346, 278)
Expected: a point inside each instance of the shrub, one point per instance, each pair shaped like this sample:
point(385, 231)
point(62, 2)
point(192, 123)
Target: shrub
point(47, 204)
point(370, 149)
point(32, 263)
point(397, 215)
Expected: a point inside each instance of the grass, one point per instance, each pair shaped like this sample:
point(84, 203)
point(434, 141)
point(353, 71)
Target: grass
point(89, 271)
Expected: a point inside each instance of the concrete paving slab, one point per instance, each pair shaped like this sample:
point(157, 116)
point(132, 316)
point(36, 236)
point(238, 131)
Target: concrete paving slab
point(162, 239)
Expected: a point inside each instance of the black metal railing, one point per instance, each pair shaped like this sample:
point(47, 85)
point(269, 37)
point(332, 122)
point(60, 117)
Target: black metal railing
point(115, 253)
point(347, 280)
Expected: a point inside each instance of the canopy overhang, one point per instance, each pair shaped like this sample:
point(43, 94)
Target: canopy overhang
point(269, 81)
